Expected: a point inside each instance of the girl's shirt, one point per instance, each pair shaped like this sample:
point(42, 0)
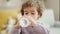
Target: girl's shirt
point(39, 28)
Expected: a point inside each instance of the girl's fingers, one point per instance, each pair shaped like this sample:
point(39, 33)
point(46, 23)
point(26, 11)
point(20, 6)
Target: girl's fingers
point(32, 21)
point(17, 26)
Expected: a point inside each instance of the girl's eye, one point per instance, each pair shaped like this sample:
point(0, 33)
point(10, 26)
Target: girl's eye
point(32, 13)
point(26, 13)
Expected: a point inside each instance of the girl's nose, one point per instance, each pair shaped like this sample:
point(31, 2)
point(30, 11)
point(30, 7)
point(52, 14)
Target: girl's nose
point(29, 14)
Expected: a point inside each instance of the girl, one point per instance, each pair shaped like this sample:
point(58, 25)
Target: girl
point(32, 10)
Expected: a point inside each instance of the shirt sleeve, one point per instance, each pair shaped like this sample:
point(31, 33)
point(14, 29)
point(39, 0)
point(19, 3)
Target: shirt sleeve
point(41, 25)
point(35, 30)
point(44, 26)
point(40, 29)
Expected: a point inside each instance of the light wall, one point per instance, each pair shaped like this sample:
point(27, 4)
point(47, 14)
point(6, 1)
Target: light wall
point(53, 4)
point(59, 11)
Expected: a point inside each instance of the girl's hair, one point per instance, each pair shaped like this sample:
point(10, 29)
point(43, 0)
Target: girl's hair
point(32, 3)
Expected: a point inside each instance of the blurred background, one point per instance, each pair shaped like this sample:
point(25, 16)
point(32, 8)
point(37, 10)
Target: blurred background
point(51, 13)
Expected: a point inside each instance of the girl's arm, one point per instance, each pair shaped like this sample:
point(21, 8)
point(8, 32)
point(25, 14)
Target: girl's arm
point(38, 29)
point(15, 29)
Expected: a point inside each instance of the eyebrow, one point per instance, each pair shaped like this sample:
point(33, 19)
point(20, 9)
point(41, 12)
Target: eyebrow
point(25, 11)
point(32, 11)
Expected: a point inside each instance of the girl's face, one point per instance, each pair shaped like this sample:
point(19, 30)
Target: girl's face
point(32, 12)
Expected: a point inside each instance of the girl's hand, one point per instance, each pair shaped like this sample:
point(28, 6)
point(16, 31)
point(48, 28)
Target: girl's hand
point(32, 24)
point(17, 26)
